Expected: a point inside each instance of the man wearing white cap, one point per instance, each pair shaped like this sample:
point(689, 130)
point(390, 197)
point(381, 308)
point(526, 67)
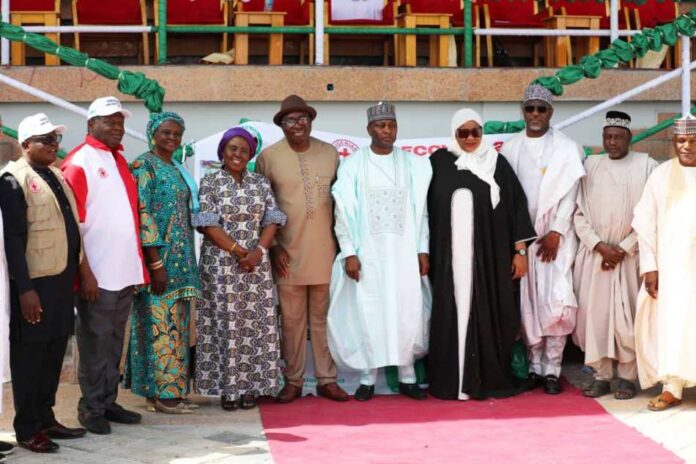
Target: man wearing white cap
point(43, 249)
point(606, 273)
point(665, 221)
point(107, 203)
point(549, 167)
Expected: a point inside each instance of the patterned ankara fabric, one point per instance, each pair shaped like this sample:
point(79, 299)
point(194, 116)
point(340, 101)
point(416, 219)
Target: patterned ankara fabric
point(156, 120)
point(238, 350)
point(158, 361)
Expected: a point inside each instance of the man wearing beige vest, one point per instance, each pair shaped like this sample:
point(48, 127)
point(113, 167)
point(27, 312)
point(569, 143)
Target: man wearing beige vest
point(301, 170)
point(43, 248)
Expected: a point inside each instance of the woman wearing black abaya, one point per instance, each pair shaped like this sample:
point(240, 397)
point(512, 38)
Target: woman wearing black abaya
point(479, 231)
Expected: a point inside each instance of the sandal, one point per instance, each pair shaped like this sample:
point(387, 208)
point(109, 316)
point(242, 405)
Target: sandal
point(663, 402)
point(189, 404)
point(597, 388)
point(625, 390)
point(248, 402)
point(180, 408)
point(150, 404)
point(228, 404)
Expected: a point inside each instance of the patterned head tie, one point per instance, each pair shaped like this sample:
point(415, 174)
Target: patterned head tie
point(157, 119)
point(537, 92)
point(380, 112)
point(617, 119)
point(685, 125)
point(237, 132)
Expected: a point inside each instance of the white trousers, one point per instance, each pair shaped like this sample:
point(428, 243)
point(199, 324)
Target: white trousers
point(407, 374)
point(674, 385)
point(604, 369)
point(545, 357)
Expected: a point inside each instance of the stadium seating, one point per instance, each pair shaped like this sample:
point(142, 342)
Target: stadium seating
point(123, 12)
point(195, 13)
point(35, 13)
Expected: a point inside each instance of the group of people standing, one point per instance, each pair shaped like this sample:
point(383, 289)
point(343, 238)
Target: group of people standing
point(384, 258)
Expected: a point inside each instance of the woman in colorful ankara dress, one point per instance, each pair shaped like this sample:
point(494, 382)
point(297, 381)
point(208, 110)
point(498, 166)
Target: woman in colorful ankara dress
point(238, 352)
point(158, 361)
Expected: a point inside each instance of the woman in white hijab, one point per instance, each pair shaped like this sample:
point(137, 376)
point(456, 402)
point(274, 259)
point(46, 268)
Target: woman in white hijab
point(479, 231)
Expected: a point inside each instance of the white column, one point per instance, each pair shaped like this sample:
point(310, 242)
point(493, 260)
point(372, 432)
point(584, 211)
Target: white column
point(614, 19)
point(5, 44)
point(319, 32)
point(686, 75)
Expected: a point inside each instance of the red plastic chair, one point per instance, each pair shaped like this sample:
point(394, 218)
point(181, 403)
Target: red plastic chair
point(520, 14)
point(123, 13)
point(195, 13)
point(388, 20)
point(39, 13)
point(297, 13)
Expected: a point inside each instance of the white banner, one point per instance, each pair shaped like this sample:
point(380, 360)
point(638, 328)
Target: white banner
point(268, 134)
point(206, 159)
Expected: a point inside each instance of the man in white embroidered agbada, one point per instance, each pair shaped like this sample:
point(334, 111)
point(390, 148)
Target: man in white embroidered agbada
point(380, 298)
point(549, 167)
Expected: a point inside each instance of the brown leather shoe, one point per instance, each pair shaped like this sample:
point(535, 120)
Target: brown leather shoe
point(332, 391)
point(288, 394)
point(39, 443)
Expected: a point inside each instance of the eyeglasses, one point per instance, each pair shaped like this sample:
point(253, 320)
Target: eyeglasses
point(289, 122)
point(465, 133)
point(46, 139)
point(541, 109)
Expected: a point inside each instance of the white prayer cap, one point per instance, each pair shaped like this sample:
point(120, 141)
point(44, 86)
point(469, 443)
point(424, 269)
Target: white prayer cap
point(685, 125)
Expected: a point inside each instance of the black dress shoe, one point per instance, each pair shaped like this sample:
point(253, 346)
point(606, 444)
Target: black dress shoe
point(533, 381)
point(364, 392)
point(6, 448)
point(552, 385)
point(58, 431)
point(120, 415)
point(39, 443)
point(94, 423)
point(412, 390)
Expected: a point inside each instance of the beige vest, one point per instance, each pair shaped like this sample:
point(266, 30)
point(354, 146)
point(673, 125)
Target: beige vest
point(47, 242)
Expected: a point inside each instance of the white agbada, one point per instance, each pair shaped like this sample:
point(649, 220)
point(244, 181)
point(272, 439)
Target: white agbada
point(4, 315)
point(665, 221)
point(381, 217)
point(549, 169)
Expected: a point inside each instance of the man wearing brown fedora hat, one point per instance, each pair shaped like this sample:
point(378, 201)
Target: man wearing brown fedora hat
point(301, 170)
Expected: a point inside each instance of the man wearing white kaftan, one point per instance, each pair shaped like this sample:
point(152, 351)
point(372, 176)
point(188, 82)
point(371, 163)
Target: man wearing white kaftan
point(665, 221)
point(606, 273)
point(549, 167)
point(380, 301)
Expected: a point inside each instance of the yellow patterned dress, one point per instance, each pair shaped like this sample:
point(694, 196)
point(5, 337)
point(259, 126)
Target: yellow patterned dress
point(158, 355)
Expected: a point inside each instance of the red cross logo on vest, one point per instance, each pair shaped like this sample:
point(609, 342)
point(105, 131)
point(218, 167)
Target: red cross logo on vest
point(34, 187)
point(101, 172)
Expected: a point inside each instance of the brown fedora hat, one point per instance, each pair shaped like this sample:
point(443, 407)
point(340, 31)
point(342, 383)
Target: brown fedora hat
point(293, 104)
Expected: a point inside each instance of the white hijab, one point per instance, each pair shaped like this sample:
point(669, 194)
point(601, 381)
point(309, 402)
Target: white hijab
point(482, 161)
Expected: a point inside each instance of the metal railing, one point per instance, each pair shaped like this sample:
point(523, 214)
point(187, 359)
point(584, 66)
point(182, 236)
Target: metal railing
point(319, 30)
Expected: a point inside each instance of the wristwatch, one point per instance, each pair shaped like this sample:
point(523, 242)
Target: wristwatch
point(522, 252)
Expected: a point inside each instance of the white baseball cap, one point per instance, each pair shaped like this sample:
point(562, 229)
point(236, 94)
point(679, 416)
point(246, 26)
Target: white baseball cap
point(37, 124)
point(106, 106)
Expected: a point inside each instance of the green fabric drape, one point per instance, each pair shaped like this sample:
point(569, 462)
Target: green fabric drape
point(621, 51)
point(129, 83)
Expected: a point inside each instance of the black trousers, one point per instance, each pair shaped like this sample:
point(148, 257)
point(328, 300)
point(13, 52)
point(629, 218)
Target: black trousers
point(101, 327)
point(35, 369)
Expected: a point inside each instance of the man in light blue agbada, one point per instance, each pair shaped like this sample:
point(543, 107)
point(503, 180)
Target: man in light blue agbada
point(380, 296)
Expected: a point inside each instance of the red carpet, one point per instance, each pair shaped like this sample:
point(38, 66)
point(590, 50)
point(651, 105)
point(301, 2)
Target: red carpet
point(530, 428)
